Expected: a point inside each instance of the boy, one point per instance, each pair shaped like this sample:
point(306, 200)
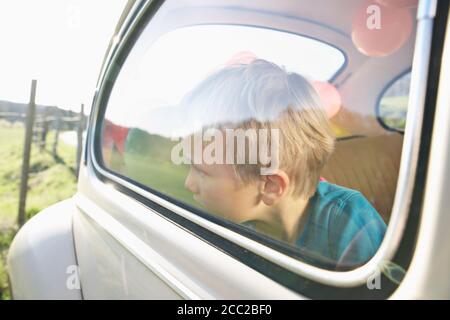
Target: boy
point(336, 225)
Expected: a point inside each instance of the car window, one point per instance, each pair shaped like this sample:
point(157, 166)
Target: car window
point(393, 104)
point(251, 119)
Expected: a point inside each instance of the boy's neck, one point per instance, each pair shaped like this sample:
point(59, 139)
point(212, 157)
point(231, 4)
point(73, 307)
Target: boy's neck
point(287, 217)
point(293, 214)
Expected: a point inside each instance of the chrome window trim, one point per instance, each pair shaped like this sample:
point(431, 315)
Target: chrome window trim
point(117, 38)
point(429, 277)
point(410, 151)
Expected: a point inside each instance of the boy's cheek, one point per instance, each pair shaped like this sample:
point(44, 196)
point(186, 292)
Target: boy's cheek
point(220, 197)
point(216, 200)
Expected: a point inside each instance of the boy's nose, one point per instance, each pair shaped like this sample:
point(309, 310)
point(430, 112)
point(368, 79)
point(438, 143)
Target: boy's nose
point(189, 183)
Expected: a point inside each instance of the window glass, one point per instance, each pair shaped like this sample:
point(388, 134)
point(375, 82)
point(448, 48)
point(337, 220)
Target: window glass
point(264, 121)
point(394, 103)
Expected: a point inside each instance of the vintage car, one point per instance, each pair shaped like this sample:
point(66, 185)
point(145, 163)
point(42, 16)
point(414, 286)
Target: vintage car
point(134, 230)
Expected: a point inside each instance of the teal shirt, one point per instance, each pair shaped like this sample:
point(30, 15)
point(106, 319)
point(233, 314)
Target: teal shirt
point(342, 229)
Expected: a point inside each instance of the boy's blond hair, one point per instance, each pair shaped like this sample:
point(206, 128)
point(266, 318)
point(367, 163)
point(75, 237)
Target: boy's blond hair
point(261, 95)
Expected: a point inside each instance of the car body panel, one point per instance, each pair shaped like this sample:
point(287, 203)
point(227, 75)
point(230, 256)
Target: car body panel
point(41, 261)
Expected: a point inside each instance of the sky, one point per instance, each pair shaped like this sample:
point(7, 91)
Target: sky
point(60, 43)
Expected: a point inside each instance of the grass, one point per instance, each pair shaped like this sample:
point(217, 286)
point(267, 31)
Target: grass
point(147, 160)
point(162, 176)
point(50, 180)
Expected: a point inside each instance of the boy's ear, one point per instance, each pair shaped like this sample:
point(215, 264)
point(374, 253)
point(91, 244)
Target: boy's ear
point(273, 187)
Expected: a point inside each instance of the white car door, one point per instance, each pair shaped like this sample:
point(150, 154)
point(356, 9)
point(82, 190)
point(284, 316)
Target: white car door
point(139, 234)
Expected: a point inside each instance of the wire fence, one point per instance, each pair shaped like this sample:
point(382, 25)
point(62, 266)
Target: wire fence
point(37, 127)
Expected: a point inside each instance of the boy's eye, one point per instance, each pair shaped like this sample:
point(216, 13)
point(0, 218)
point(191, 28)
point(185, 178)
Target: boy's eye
point(199, 172)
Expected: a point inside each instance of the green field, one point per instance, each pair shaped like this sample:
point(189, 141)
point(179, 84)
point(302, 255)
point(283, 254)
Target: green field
point(50, 181)
point(162, 176)
point(147, 160)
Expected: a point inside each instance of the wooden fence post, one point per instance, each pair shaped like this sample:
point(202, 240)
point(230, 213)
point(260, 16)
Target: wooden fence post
point(31, 112)
point(80, 139)
point(57, 129)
